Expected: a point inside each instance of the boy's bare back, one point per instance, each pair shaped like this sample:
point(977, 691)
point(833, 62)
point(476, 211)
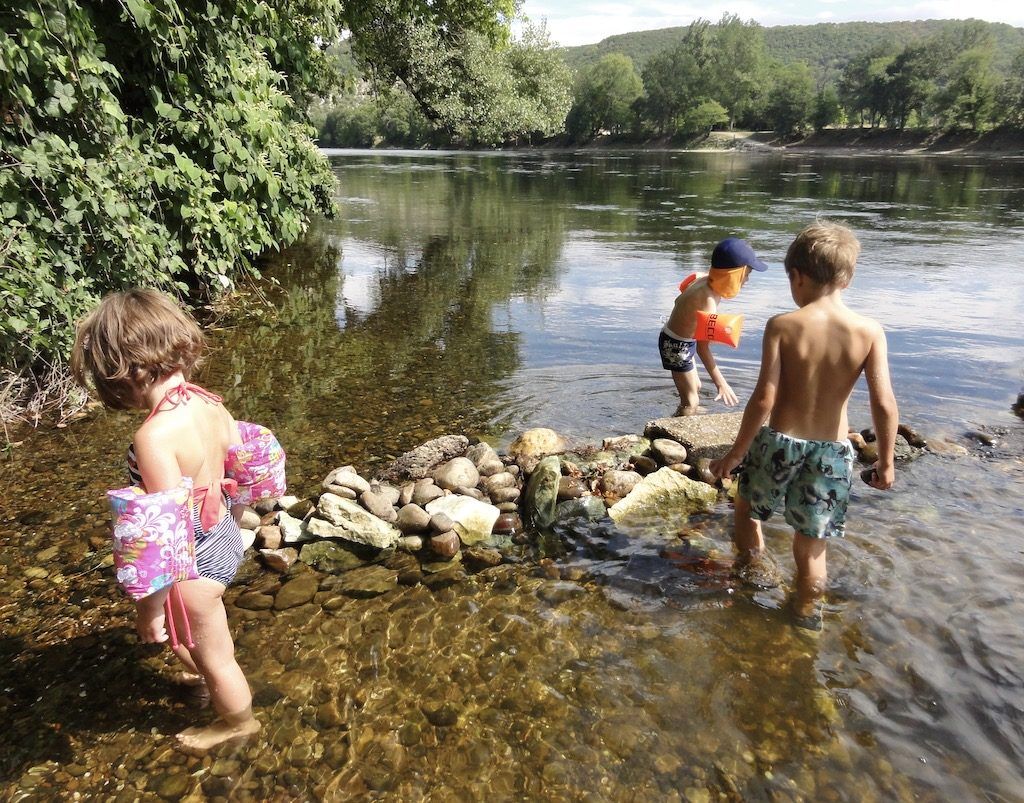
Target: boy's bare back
point(819, 352)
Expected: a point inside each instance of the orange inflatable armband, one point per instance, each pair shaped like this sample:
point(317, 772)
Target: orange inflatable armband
point(719, 328)
point(687, 282)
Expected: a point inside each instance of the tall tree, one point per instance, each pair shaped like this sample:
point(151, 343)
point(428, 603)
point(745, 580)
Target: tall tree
point(604, 97)
point(791, 99)
point(738, 64)
point(677, 79)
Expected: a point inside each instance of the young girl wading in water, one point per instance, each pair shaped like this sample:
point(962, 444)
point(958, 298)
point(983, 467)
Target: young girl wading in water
point(138, 349)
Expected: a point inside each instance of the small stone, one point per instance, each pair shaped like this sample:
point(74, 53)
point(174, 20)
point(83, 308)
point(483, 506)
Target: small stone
point(285, 502)
point(426, 491)
point(441, 523)
point(249, 518)
point(405, 496)
point(702, 471)
point(296, 592)
point(254, 601)
point(279, 560)
point(269, 537)
point(490, 468)
point(367, 582)
point(643, 465)
point(457, 472)
point(570, 488)
point(379, 505)
point(477, 557)
point(330, 556)
point(300, 509)
point(441, 715)
point(869, 454)
point(412, 519)
point(347, 478)
point(503, 495)
point(507, 523)
point(481, 452)
point(445, 545)
point(508, 507)
point(496, 481)
point(667, 451)
point(248, 538)
point(342, 491)
point(410, 543)
point(473, 493)
point(868, 434)
point(617, 484)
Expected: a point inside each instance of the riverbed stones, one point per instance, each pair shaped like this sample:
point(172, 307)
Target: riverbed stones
point(455, 473)
point(532, 445)
point(412, 519)
point(708, 435)
point(425, 491)
point(353, 523)
point(616, 484)
point(667, 451)
point(542, 492)
point(417, 463)
point(497, 481)
point(346, 477)
point(297, 591)
point(379, 505)
point(473, 519)
point(366, 582)
point(293, 530)
point(585, 507)
point(507, 523)
point(249, 519)
point(445, 545)
point(663, 501)
point(279, 560)
point(330, 557)
point(503, 495)
point(570, 488)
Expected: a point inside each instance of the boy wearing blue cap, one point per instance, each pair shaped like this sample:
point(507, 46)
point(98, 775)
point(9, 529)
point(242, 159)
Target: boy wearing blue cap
point(731, 263)
point(811, 358)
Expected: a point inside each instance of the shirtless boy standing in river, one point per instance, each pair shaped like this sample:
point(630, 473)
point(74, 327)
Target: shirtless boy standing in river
point(810, 360)
point(731, 262)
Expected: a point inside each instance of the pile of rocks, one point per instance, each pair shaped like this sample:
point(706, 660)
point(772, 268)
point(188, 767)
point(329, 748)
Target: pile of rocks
point(448, 502)
point(448, 499)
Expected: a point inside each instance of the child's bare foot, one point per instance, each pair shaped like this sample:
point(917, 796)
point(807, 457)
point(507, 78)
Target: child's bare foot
point(198, 740)
point(807, 617)
point(687, 409)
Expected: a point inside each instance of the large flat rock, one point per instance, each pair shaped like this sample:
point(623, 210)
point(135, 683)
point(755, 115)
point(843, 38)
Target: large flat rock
point(708, 435)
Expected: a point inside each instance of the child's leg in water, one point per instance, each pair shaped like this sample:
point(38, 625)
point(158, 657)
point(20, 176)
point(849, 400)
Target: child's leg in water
point(688, 388)
point(214, 657)
point(753, 563)
point(811, 575)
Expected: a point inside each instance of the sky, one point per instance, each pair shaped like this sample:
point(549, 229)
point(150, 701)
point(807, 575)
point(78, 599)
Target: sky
point(581, 22)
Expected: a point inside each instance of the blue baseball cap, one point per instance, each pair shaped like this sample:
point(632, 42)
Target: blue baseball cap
point(733, 252)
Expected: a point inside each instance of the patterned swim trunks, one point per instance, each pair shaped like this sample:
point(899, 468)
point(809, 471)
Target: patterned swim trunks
point(677, 353)
point(814, 477)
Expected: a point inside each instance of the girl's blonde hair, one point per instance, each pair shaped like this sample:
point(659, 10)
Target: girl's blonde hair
point(131, 340)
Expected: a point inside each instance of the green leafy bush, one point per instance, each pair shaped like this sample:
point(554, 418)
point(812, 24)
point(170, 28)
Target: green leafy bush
point(151, 142)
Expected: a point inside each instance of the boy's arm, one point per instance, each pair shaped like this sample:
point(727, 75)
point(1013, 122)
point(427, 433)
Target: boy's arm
point(760, 405)
point(725, 393)
point(884, 413)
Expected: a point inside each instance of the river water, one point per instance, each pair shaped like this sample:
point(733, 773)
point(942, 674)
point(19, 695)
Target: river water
point(488, 293)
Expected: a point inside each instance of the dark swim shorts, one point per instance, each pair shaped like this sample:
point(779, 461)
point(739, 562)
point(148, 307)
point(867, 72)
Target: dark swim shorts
point(814, 477)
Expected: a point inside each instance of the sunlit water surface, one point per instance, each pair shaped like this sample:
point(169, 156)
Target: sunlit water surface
point(489, 293)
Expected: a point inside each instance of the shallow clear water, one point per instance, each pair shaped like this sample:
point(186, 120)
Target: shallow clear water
point(488, 293)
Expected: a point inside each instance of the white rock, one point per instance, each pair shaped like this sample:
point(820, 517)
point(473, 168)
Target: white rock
point(473, 520)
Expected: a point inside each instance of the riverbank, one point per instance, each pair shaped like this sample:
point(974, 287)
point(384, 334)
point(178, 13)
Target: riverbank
point(838, 141)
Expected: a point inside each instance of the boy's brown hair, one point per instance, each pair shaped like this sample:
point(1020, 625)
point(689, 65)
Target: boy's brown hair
point(131, 340)
point(824, 252)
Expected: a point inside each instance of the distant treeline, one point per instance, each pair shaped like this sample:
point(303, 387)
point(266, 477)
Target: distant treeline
point(679, 83)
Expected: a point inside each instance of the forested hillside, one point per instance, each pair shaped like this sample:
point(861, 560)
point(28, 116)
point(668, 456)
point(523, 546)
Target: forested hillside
point(826, 47)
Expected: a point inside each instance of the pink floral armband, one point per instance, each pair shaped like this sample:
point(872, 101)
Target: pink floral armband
point(154, 542)
point(257, 465)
